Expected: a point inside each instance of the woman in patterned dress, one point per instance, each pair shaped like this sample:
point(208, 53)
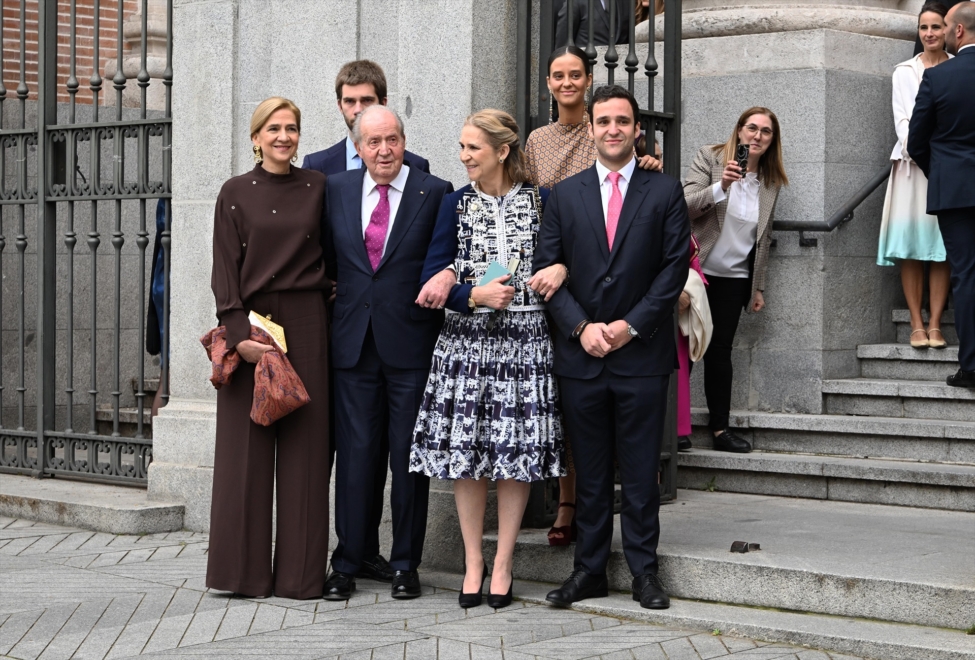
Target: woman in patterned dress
point(490, 408)
point(555, 152)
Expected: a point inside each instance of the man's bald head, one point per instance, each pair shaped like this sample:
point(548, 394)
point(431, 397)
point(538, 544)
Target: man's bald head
point(960, 26)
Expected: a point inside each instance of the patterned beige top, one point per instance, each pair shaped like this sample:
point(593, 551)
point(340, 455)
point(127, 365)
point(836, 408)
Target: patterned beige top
point(558, 151)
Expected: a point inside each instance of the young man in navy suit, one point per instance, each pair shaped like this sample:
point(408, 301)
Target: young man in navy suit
point(941, 140)
point(624, 235)
point(378, 225)
point(358, 85)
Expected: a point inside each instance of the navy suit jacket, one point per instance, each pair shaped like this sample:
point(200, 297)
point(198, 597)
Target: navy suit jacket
point(405, 333)
point(639, 281)
point(941, 139)
point(332, 160)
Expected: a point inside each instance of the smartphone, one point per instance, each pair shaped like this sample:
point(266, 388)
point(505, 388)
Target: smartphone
point(741, 157)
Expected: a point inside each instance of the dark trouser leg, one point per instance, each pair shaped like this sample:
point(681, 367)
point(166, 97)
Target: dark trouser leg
point(410, 490)
point(640, 409)
point(301, 545)
point(239, 558)
point(378, 499)
point(360, 398)
point(587, 407)
point(726, 295)
point(958, 232)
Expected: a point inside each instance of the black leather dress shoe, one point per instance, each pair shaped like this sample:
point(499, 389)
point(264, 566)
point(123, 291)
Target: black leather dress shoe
point(579, 586)
point(962, 379)
point(729, 441)
point(650, 592)
point(375, 568)
point(406, 584)
point(684, 443)
point(339, 586)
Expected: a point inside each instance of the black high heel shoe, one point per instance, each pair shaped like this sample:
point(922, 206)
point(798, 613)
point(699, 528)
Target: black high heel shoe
point(498, 601)
point(474, 599)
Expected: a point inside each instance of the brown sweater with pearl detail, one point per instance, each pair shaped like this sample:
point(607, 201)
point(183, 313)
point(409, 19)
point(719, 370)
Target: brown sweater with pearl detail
point(266, 238)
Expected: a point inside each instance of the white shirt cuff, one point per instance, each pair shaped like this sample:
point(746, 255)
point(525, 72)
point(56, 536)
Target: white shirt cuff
point(718, 192)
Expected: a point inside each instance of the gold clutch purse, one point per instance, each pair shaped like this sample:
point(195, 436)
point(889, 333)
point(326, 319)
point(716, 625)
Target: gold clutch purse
point(273, 329)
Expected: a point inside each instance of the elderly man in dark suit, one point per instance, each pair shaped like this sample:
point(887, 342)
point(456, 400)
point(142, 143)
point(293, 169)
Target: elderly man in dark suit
point(624, 235)
point(358, 85)
point(378, 226)
point(941, 141)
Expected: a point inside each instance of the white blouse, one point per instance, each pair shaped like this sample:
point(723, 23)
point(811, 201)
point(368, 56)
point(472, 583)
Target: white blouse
point(729, 256)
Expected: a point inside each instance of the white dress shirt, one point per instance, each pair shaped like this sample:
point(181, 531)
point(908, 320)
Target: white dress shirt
point(729, 256)
point(370, 199)
point(606, 186)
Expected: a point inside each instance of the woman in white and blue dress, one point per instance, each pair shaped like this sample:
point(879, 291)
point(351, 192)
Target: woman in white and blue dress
point(490, 408)
point(907, 233)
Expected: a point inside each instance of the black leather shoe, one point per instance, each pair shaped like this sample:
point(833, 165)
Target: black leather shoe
point(728, 441)
point(339, 586)
point(648, 590)
point(406, 584)
point(472, 599)
point(684, 443)
point(579, 586)
point(375, 568)
point(962, 379)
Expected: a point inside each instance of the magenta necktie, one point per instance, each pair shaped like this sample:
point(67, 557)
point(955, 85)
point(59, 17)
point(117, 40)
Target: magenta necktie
point(614, 208)
point(378, 224)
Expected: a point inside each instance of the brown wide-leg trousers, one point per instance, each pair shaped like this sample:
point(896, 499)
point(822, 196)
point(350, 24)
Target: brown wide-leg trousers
point(248, 457)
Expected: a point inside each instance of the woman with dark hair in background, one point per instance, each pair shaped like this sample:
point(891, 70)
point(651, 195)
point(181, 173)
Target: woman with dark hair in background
point(731, 215)
point(555, 152)
point(267, 258)
point(907, 232)
point(490, 409)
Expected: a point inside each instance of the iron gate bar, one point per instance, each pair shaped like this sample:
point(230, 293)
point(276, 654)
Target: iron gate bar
point(611, 57)
point(45, 451)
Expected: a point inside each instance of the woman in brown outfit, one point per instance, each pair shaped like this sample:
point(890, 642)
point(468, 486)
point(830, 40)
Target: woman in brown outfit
point(267, 257)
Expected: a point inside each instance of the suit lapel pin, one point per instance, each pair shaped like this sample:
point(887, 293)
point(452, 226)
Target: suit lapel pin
point(421, 192)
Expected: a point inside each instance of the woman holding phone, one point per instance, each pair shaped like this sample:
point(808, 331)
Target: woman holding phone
point(731, 209)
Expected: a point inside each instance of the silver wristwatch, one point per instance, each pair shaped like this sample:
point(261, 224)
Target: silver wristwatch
point(630, 330)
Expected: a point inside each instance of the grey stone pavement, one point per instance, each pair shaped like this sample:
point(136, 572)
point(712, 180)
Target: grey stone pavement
point(70, 593)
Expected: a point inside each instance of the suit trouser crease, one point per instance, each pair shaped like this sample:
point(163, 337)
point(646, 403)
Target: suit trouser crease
point(958, 232)
point(366, 395)
point(609, 415)
point(249, 458)
point(726, 297)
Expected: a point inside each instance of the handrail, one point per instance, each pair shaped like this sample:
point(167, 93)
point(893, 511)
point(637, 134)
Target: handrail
point(844, 214)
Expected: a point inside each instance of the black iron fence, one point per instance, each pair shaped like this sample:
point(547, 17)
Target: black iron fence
point(78, 180)
point(537, 21)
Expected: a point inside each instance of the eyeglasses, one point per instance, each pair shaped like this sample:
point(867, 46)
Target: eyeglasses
point(752, 128)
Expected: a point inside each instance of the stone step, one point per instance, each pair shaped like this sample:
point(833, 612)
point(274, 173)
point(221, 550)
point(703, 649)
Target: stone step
point(902, 321)
point(866, 480)
point(901, 362)
point(917, 399)
point(128, 419)
point(111, 509)
point(898, 564)
point(859, 637)
point(848, 435)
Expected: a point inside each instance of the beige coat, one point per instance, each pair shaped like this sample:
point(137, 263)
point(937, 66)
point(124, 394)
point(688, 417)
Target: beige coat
point(707, 218)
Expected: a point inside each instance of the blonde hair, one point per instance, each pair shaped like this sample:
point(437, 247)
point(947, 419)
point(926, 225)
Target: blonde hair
point(268, 107)
point(502, 129)
point(771, 171)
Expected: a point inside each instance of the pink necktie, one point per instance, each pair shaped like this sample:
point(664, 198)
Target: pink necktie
point(614, 208)
point(378, 224)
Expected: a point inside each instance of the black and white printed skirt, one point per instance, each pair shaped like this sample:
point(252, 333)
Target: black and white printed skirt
point(490, 408)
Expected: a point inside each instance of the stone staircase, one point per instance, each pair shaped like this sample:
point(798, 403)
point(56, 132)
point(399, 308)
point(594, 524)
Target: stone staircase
point(128, 417)
point(816, 493)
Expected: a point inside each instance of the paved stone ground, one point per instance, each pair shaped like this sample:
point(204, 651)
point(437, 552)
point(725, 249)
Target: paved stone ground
point(69, 593)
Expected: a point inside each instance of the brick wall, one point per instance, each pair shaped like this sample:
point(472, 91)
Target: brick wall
point(84, 45)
